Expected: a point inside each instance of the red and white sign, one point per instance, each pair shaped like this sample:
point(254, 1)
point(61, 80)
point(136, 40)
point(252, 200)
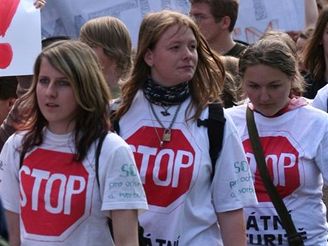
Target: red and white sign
point(53, 192)
point(282, 163)
point(164, 170)
point(20, 37)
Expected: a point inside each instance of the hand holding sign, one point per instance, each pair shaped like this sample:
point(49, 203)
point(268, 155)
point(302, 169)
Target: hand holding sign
point(7, 11)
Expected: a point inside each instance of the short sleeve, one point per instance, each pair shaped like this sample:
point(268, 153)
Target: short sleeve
point(122, 186)
point(233, 186)
point(9, 179)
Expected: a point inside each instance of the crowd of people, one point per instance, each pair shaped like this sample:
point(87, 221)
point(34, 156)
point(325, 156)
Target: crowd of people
point(106, 144)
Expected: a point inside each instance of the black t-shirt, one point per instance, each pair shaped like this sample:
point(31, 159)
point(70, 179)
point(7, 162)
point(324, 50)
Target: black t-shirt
point(312, 86)
point(236, 50)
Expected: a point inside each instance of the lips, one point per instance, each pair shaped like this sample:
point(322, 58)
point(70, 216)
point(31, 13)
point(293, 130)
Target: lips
point(52, 105)
point(187, 67)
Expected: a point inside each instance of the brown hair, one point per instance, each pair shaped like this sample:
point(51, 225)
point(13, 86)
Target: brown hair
point(207, 83)
point(313, 53)
point(221, 8)
point(90, 89)
point(113, 36)
point(276, 54)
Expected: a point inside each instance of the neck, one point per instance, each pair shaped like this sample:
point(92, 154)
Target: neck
point(222, 44)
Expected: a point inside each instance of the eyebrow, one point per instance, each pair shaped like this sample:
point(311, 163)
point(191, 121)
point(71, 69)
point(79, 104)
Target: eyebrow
point(271, 82)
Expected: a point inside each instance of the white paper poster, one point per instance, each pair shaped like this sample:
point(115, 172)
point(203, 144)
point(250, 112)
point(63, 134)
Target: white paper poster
point(20, 36)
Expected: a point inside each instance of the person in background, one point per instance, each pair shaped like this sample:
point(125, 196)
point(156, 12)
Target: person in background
point(231, 93)
point(300, 44)
point(315, 56)
point(49, 163)
point(174, 77)
point(321, 99)
point(296, 164)
point(216, 20)
point(8, 96)
point(110, 39)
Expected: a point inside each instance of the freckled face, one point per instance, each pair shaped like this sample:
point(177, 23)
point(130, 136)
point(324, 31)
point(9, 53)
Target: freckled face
point(174, 58)
point(56, 99)
point(267, 88)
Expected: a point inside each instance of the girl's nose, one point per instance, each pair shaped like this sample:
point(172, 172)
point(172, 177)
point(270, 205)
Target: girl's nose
point(264, 95)
point(51, 90)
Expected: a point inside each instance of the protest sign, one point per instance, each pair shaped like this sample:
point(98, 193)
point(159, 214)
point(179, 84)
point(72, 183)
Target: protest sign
point(20, 36)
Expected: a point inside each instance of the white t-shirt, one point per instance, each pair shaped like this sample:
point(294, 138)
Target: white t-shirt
point(182, 199)
point(295, 146)
point(321, 99)
point(58, 199)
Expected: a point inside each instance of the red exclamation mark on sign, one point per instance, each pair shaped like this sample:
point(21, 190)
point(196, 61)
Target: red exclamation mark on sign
point(7, 11)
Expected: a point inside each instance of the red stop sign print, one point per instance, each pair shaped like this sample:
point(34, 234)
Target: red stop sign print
point(53, 192)
point(164, 170)
point(282, 162)
point(7, 12)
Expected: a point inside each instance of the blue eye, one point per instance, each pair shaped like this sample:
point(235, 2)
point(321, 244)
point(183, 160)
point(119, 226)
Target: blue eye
point(275, 86)
point(43, 81)
point(175, 47)
point(193, 47)
point(63, 83)
point(253, 86)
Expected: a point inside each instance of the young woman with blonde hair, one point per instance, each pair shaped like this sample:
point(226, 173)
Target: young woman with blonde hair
point(49, 163)
point(175, 77)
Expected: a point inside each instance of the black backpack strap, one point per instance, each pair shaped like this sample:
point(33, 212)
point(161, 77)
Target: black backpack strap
point(116, 126)
point(215, 129)
point(112, 109)
point(142, 240)
point(97, 154)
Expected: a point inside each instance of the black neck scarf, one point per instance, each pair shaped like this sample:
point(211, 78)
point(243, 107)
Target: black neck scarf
point(165, 96)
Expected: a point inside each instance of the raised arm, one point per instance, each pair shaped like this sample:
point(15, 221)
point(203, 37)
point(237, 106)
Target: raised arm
point(311, 12)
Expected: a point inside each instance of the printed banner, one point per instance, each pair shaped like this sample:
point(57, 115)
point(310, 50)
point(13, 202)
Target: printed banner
point(258, 16)
point(65, 17)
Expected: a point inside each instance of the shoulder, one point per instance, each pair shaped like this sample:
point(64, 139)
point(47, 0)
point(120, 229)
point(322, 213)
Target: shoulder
point(323, 92)
point(320, 101)
point(114, 138)
point(315, 115)
point(237, 112)
point(16, 138)
point(237, 50)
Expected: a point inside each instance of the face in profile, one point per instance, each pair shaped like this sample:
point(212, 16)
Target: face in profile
point(267, 88)
point(174, 58)
point(56, 98)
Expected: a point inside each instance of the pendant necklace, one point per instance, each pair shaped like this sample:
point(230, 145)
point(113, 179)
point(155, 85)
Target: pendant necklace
point(165, 110)
point(167, 131)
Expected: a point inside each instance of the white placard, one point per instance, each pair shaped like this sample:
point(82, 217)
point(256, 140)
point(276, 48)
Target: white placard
point(24, 37)
point(258, 16)
point(65, 17)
